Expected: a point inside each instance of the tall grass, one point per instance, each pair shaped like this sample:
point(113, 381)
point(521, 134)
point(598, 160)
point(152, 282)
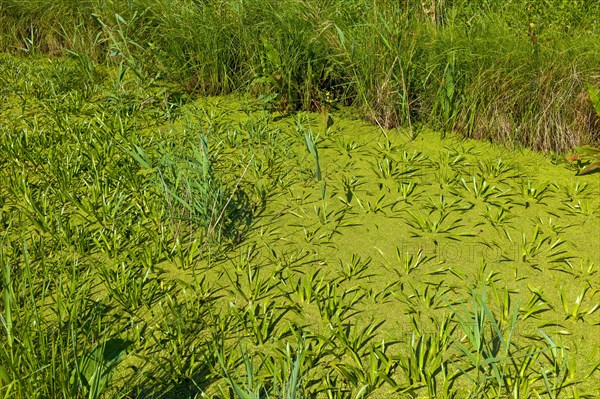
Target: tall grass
point(512, 72)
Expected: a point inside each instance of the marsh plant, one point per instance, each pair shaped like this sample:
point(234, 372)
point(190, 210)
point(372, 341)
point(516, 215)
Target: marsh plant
point(197, 201)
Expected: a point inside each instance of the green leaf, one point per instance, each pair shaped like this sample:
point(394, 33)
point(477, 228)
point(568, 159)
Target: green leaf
point(240, 393)
point(312, 149)
point(594, 93)
point(140, 156)
point(341, 36)
point(272, 54)
point(97, 365)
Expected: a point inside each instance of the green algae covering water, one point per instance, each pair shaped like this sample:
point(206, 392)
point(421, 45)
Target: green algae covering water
point(413, 266)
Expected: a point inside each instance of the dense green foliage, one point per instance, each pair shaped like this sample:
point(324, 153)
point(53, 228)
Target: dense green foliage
point(159, 243)
point(512, 71)
point(152, 246)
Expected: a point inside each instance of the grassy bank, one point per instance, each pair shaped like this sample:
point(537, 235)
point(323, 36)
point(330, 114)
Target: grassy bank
point(156, 246)
point(511, 72)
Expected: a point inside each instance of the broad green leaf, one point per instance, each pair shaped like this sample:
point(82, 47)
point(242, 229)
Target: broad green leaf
point(97, 365)
point(594, 93)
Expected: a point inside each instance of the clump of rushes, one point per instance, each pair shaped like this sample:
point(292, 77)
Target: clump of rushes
point(510, 72)
point(197, 200)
